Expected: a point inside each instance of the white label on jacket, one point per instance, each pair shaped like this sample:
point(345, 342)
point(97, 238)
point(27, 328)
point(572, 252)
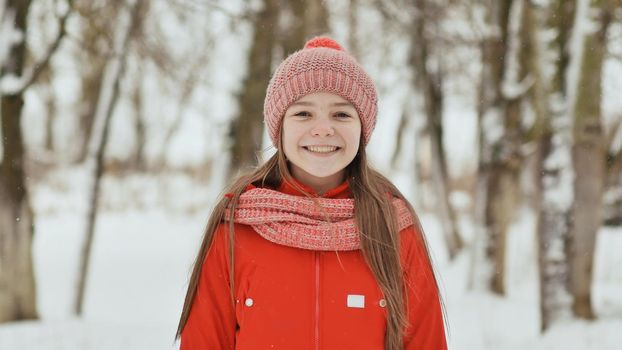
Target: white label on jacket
point(355, 300)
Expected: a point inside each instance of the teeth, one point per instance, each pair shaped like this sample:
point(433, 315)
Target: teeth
point(322, 149)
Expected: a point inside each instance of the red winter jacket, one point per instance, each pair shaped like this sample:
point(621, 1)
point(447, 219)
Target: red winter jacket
point(291, 298)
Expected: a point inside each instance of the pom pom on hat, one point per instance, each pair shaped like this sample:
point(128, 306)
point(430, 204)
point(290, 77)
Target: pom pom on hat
point(323, 41)
point(321, 66)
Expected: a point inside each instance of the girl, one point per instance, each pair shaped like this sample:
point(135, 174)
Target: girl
point(314, 249)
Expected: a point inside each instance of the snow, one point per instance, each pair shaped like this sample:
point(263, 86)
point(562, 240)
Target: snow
point(559, 191)
point(150, 226)
point(10, 83)
point(144, 248)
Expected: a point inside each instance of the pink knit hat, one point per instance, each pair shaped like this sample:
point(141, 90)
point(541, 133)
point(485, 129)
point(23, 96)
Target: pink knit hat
point(322, 65)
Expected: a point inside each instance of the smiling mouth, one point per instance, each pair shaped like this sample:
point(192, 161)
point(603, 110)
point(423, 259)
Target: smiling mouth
point(322, 149)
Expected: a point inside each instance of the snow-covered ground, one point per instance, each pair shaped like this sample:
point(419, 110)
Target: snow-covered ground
point(144, 247)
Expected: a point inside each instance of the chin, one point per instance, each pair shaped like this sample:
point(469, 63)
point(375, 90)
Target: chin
point(321, 173)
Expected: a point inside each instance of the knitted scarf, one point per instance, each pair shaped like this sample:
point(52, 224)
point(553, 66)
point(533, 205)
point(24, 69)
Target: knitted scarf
point(297, 221)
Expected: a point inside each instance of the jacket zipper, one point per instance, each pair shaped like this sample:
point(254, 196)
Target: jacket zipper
point(317, 300)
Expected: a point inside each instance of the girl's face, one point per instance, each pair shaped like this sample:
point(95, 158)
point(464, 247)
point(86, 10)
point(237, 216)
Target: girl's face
point(321, 134)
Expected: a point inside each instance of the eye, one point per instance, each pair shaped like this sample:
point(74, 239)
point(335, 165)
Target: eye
point(302, 114)
point(342, 115)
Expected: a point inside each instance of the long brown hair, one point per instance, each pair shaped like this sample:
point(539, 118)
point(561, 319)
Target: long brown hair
point(375, 217)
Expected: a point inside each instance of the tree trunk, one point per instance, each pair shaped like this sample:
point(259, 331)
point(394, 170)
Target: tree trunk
point(353, 27)
point(138, 158)
point(553, 223)
point(292, 36)
point(49, 99)
point(401, 128)
point(499, 155)
point(95, 53)
point(316, 18)
point(589, 156)
point(500, 208)
point(307, 19)
point(17, 282)
point(91, 86)
point(554, 165)
point(105, 105)
point(431, 85)
point(50, 106)
point(246, 129)
point(187, 87)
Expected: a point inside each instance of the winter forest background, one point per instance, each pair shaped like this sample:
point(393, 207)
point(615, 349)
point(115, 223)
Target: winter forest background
point(122, 120)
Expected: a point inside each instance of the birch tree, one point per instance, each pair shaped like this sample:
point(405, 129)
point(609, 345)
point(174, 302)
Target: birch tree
point(553, 220)
point(500, 138)
point(572, 154)
point(17, 282)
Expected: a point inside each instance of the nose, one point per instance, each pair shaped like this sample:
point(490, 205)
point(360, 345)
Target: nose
point(323, 127)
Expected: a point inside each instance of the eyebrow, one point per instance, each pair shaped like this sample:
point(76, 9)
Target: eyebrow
point(336, 104)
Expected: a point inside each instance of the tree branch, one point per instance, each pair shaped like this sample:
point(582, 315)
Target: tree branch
point(43, 63)
point(17, 85)
point(193, 6)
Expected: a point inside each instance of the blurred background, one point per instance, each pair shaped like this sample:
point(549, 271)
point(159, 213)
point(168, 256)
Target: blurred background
point(123, 120)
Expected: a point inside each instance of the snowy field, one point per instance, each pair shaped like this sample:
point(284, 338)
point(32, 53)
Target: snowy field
point(144, 247)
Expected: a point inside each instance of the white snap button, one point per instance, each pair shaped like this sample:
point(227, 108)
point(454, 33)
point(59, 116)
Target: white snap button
point(248, 302)
point(383, 303)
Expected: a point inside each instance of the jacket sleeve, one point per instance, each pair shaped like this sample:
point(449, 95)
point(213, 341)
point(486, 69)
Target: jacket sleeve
point(212, 322)
point(426, 330)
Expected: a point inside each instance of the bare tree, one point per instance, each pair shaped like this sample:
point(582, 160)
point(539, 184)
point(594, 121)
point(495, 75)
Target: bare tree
point(186, 88)
point(554, 159)
point(302, 20)
point(429, 78)
point(48, 96)
point(589, 156)
point(95, 47)
point(500, 138)
point(246, 129)
point(17, 283)
point(109, 93)
point(571, 211)
point(353, 26)
point(136, 95)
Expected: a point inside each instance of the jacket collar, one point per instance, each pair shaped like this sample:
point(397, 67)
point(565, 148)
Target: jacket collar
point(339, 192)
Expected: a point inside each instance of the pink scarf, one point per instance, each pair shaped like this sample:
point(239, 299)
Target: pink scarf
point(297, 221)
